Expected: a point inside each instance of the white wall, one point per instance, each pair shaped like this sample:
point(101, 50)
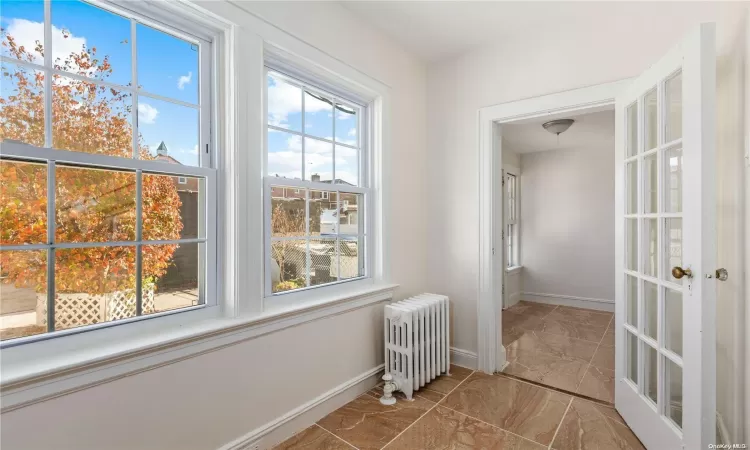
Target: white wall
point(587, 53)
point(212, 399)
point(568, 223)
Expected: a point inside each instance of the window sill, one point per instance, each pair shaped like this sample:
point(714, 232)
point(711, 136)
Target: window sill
point(513, 270)
point(31, 381)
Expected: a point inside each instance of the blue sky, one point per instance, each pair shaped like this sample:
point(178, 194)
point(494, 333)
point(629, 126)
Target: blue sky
point(285, 149)
point(167, 66)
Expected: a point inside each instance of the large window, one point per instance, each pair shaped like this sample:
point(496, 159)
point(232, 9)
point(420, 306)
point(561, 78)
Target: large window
point(511, 219)
point(106, 171)
point(316, 186)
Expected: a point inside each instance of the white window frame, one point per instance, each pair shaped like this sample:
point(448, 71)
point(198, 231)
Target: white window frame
point(307, 81)
point(512, 247)
point(206, 171)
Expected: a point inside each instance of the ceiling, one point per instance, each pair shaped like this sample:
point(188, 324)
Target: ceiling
point(436, 30)
point(592, 130)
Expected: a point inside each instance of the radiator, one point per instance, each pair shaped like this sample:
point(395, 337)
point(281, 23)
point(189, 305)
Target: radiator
point(417, 348)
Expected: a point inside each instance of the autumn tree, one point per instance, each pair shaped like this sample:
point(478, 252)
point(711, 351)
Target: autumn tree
point(91, 205)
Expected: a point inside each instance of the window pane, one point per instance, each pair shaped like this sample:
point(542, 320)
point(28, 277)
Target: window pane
point(673, 247)
point(171, 207)
point(347, 165)
point(288, 211)
point(23, 203)
point(350, 259)
point(93, 285)
point(324, 217)
point(349, 210)
point(170, 277)
point(288, 265)
point(94, 205)
point(673, 321)
point(649, 247)
point(23, 26)
point(21, 104)
point(322, 261)
point(318, 160)
point(649, 105)
point(23, 293)
point(673, 88)
point(650, 192)
point(631, 296)
point(651, 380)
point(91, 118)
point(91, 42)
point(631, 341)
point(631, 244)
point(632, 124)
point(318, 116)
point(284, 103)
point(168, 132)
point(346, 125)
point(673, 382)
point(673, 180)
point(631, 175)
point(167, 65)
point(284, 155)
point(651, 306)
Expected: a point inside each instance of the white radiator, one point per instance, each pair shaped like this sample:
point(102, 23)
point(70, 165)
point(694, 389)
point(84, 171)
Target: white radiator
point(417, 344)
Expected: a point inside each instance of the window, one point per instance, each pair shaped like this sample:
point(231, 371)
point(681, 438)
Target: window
point(511, 219)
point(315, 145)
point(105, 194)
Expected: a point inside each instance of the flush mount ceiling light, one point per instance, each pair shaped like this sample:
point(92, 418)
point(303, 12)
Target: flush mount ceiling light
point(558, 126)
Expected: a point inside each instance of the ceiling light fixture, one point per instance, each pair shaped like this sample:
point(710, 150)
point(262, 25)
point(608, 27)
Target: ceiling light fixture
point(558, 126)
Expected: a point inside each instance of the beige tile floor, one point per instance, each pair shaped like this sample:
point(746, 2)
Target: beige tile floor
point(470, 410)
point(566, 348)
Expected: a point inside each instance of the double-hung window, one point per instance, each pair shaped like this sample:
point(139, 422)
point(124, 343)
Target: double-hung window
point(316, 185)
point(107, 179)
point(511, 219)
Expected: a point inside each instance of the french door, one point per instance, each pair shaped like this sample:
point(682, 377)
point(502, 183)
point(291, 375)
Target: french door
point(666, 248)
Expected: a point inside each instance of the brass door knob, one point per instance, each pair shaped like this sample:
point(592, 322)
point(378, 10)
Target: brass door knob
point(678, 272)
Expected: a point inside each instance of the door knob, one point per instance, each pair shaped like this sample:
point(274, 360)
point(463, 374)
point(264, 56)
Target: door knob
point(721, 274)
point(678, 272)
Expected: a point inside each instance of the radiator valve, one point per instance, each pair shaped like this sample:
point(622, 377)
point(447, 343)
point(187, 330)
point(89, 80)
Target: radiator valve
point(388, 388)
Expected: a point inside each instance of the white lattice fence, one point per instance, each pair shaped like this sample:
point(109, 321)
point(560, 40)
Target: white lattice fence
point(79, 309)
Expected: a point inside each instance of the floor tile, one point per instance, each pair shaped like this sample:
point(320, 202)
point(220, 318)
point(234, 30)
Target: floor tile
point(571, 329)
point(598, 383)
point(521, 408)
point(443, 428)
point(520, 321)
point(313, 438)
point(581, 316)
point(560, 372)
point(604, 357)
point(552, 344)
point(510, 335)
point(531, 308)
point(609, 337)
point(367, 424)
point(588, 426)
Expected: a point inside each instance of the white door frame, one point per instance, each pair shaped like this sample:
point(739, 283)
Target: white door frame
point(490, 351)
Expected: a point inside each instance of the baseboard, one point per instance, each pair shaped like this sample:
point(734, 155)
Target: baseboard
point(463, 358)
point(513, 299)
point(722, 432)
point(282, 428)
point(600, 304)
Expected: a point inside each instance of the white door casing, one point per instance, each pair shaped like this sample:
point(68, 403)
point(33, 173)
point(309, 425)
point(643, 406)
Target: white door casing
point(665, 208)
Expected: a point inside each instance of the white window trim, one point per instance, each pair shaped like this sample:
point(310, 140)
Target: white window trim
point(516, 172)
point(54, 367)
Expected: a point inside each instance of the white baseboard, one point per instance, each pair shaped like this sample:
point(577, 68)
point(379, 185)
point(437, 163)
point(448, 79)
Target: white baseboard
point(513, 299)
point(600, 304)
point(463, 358)
point(282, 428)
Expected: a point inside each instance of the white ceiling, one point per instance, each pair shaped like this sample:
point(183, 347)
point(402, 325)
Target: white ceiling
point(590, 131)
point(436, 30)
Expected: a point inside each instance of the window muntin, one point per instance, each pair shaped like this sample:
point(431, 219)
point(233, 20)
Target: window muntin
point(316, 194)
point(511, 219)
point(106, 230)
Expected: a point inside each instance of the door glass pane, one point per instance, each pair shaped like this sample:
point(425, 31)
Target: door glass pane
point(631, 175)
point(650, 194)
point(632, 124)
point(673, 89)
point(649, 247)
point(651, 382)
point(673, 321)
point(631, 244)
point(672, 247)
point(651, 306)
point(631, 342)
point(673, 385)
point(673, 180)
point(649, 106)
point(631, 295)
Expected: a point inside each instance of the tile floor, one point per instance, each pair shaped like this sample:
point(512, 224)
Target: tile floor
point(470, 410)
point(566, 348)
